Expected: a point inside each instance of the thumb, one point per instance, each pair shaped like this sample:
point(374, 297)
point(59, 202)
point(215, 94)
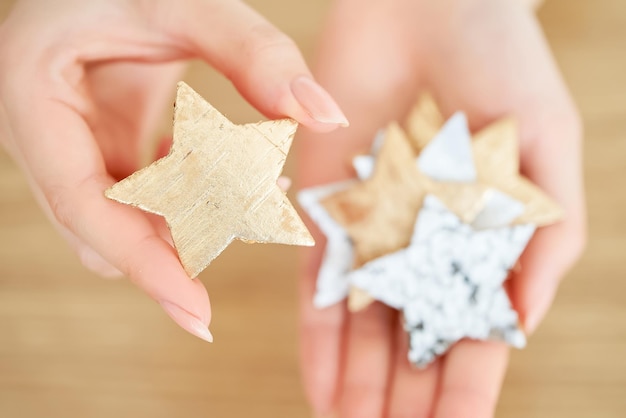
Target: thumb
point(263, 63)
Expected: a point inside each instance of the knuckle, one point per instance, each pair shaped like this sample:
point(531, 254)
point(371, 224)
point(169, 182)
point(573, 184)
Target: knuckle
point(131, 263)
point(95, 263)
point(62, 209)
point(68, 201)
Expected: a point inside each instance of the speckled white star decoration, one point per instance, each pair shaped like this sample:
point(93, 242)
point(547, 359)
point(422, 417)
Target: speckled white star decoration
point(448, 282)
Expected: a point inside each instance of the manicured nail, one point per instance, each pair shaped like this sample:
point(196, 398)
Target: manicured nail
point(317, 102)
point(187, 321)
point(532, 322)
point(540, 308)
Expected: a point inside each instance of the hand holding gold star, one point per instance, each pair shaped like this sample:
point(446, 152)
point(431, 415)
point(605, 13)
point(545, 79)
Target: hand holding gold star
point(217, 184)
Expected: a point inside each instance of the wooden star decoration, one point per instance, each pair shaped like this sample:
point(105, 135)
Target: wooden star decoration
point(217, 184)
point(378, 213)
point(375, 212)
point(424, 121)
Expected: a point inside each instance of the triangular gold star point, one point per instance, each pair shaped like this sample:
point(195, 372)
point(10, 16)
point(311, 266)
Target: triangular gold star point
point(375, 212)
point(496, 158)
point(217, 184)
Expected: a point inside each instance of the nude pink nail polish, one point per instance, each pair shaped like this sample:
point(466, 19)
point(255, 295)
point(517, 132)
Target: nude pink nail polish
point(317, 102)
point(187, 321)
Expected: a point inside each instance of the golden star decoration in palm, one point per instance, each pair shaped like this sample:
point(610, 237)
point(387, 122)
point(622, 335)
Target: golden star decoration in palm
point(378, 213)
point(217, 184)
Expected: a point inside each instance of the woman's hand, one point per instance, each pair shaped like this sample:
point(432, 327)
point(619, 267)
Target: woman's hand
point(82, 87)
point(489, 59)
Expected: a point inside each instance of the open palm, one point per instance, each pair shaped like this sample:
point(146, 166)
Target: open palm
point(489, 59)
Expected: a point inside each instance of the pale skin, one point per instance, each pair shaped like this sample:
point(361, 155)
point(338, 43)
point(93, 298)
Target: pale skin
point(85, 83)
point(488, 58)
point(71, 64)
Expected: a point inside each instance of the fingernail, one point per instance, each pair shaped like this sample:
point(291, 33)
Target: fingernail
point(187, 321)
point(317, 102)
point(539, 310)
point(532, 322)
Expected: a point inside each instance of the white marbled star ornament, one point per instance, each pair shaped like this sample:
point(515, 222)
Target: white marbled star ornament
point(449, 282)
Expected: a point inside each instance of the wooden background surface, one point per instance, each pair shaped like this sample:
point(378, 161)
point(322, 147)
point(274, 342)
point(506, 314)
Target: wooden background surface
point(73, 345)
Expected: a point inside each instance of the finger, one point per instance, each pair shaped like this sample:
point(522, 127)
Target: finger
point(88, 257)
point(413, 391)
point(374, 85)
point(163, 147)
point(129, 99)
point(284, 183)
point(369, 343)
point(73, 184)
point(321, 338)
point(262, 62)
point(554, 163)
point(471, 379)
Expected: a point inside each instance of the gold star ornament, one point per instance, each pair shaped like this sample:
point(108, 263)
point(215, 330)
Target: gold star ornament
point(217, 184)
